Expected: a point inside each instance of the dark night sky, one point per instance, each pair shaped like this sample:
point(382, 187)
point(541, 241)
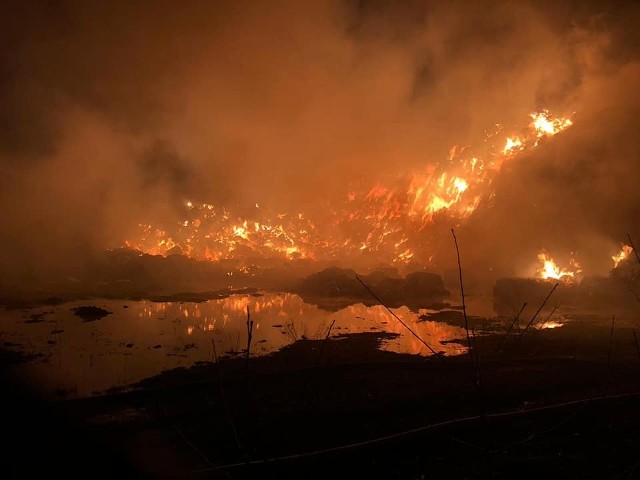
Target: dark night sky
point(111, 112)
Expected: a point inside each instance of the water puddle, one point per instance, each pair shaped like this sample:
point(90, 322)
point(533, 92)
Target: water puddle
point(77, 357)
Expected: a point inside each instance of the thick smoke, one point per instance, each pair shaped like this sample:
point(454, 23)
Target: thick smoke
point(115, 113)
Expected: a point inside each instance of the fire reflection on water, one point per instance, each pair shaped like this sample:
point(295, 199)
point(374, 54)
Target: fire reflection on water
point(282, 318)
point(141, 339)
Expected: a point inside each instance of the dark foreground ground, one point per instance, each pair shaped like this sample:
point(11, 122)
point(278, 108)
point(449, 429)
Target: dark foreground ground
point(560, 403)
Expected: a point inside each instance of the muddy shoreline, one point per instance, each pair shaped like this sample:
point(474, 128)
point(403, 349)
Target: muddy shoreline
point(558, 399)
point(317, 395)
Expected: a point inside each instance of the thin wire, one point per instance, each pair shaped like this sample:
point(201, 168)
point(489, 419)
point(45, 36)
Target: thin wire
point(425, 428)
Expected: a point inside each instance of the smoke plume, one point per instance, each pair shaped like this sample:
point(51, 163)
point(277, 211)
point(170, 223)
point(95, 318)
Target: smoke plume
point(114, 114)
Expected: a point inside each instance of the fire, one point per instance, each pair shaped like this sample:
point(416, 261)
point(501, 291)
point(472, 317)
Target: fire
point(550, 325)
point(545, 124)
point(381, 222)
point(512, 146)
point(548, 269)
point(621, 255)
point(428, 196)
point(404, 257)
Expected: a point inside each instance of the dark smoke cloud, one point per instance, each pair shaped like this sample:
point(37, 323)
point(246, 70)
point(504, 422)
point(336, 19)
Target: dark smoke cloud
point(113, 113)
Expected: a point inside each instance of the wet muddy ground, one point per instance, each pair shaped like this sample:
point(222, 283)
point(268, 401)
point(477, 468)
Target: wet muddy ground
point(559, 400)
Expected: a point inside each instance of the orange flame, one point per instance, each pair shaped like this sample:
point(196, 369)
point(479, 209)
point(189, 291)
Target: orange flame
point(545, 124)
point(548, 269)
point(621, 255)
point(379, 222)
point(512, 146)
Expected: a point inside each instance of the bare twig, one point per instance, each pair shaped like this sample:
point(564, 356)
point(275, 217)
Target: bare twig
point(326, 339)
point(473, 349)
point(476, 359)
point(314, 376)
point(515, 320)
point(634, 247)
point(249, 335)
point(553, 310)
point(535, 316)
point(248, 356)
point(464, 307)
point(399, 319)
point(224, 399)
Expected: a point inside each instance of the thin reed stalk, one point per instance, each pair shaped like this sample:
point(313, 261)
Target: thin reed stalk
point(313, 376)
point(464, 306)
point(326, 339)
point(249, 335)
point(224, 400)
point(515, 320)
point(546, 319)
point(399, 319)
point(474, 354)
point(535, 316)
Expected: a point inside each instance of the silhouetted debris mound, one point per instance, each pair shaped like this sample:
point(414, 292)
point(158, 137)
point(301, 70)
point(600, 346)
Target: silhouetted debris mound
point(605, 292)
point(594, 292)
point(90, 313)
point(332, 282)
point(424, 284)
point(510, 293)
point(628, 271)
point(338, 283)
point(415, 286)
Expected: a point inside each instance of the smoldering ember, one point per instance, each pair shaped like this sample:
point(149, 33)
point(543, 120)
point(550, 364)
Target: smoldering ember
point(320, 239)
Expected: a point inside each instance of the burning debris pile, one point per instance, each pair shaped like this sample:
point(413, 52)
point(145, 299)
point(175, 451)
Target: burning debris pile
point(382, 223)
point(550, 270)
point(618, 288)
